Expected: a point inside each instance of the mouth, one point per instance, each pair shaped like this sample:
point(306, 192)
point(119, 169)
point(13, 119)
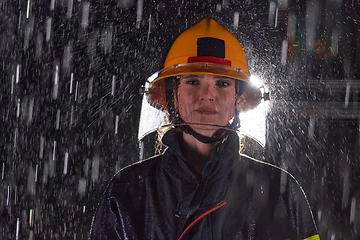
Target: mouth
point(206, 111)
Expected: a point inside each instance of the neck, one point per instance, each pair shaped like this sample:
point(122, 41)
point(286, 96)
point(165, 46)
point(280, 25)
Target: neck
point(196, 153)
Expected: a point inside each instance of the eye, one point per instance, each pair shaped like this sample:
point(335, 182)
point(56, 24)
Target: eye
point(223, 83)
point(192, 81)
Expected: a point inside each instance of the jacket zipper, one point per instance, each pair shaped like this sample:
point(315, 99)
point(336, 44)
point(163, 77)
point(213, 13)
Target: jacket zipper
point(201, 216)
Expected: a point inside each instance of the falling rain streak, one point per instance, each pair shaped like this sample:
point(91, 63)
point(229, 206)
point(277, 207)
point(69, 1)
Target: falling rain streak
point(56, 82)
point(3, 171)
point(48, 28)
point(66, 159)
point(28, 9)
point(71, 82)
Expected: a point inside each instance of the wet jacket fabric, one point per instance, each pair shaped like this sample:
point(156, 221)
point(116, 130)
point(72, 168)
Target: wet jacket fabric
point(235, 198)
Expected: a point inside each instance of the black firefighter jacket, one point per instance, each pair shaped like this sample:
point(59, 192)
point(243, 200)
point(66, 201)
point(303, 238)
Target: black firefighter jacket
point(235, 198)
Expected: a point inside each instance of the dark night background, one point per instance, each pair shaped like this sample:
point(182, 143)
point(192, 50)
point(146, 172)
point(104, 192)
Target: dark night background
point(70, 75)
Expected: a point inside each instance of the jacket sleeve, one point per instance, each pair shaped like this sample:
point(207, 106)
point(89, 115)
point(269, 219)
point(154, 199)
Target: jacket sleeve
point(105, 225)
point(110, 220)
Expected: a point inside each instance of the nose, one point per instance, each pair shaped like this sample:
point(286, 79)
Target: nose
point(207, 92)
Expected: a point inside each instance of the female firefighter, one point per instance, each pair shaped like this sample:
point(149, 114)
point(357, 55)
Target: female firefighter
point(201, 187)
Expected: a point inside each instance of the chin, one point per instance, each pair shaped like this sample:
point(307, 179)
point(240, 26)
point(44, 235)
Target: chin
point(206, 130)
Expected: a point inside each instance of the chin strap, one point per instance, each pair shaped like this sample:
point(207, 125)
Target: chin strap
point(201, 138)
point(207, 140)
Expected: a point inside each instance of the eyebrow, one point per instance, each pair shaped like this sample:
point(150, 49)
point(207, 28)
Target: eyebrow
point(189, 76)
point(196, 75)
point(222, 77)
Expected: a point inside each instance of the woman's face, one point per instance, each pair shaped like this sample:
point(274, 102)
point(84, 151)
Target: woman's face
point(206, 99)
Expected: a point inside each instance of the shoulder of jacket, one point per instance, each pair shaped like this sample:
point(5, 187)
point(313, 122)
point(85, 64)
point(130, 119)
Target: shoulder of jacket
point(136, 171)
point(271, 167)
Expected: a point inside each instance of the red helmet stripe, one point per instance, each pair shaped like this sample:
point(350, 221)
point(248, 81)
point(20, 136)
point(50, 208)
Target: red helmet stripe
point(215, 60)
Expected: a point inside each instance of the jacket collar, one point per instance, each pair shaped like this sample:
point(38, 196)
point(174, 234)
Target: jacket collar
point(220, 165)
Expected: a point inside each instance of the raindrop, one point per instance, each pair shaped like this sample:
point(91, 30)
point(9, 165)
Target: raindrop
point(85, 15)
point(31, 110)
point(347, 95)
point(71, 82)
point(236, 20)
point(95, 168)
point(218, 7)
point(91, 82)
point(139, 12)
point(28, 9)
point(57, 119)
point(113, 85)
point(12, 84)
point(319, 215)
point(276, 16)
point(311, 128)
point(8, 196)
point(335, 42)
point(17, 73)
point(76, 90)
point(56, 82)
point(19, 20)
point(346, 187)
point(36, 172)
point(17, 228)
point(352, 211)
point(82, 186)
point(15, 195)
point(67, 57)
point(3, 171)
point(66, 163)
point(106, 39)
point(116, 124)
point(272, 13)
point(31, 235)
point(16, 130)
point(45, 172)
point(42, 141)
point(149, 29)
point(52, 4)
point(48, 28)
point(284, 52)
point(69, 8)
point(53, 156)
point(31, 181)
point(39, 42)
point(71, 115)
point(18, 108)
point(31, 216)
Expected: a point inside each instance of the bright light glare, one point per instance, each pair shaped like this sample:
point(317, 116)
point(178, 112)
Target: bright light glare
point(253, 123)
point(255, 80)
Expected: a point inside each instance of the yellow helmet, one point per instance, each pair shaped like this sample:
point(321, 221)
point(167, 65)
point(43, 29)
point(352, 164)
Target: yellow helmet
point(206, 48)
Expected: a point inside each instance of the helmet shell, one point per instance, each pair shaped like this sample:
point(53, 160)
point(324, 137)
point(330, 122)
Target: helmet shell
point(186, 46)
